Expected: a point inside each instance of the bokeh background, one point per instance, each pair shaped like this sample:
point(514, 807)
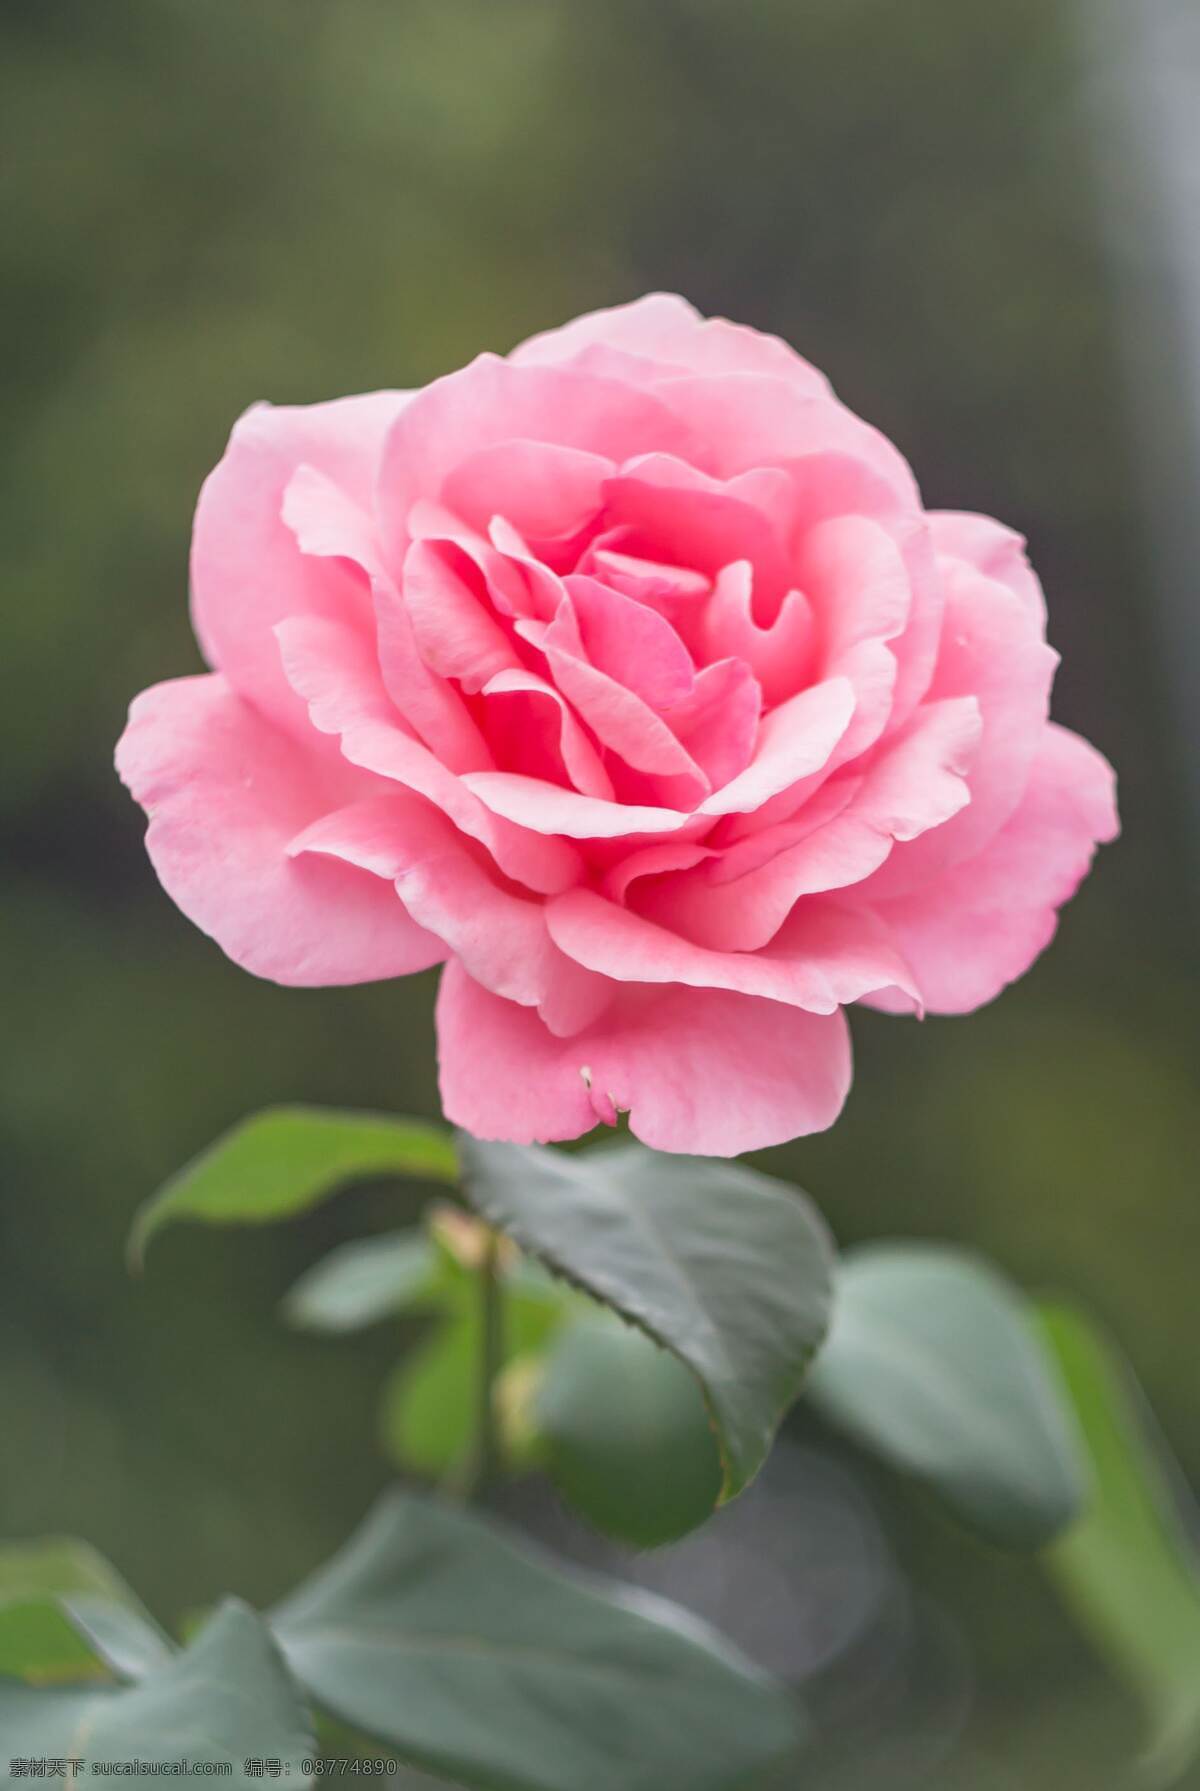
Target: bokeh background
point(982, 221)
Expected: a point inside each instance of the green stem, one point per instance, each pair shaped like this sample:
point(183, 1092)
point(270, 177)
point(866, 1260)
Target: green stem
point(491, 1350)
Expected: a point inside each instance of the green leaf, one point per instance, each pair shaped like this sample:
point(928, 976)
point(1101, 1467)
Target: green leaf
point(285, 1160)
point(40, 1644)
point(130, 1644)
point(932, 1362)
point(728, 1269)
point(363, 1281)
point(225, 1698)
point(476, 1659)
point(54, 1593)
point(626, 1436)
point(1129, 1568)
point(427, 1410)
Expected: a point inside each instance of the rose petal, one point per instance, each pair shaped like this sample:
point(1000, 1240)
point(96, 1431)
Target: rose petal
point(247, 569)
point(664, 328)
point(500, 938)
point(652, 861)
point(225, 790)
point(741, 897)
point(824, 957)
point(455, 630)
point(492, 401)
point(983, 922)
point(858, 585)
point(794, 740)
point(526, 692)
point(677, 514)
point(632, 644)
point(779, 652)
point(838, 463)
point(996, 551)
point(698, 1070)
point(336, 675)
point(327, 524)
point(541, 487)
point(618, 717)
point(546, 808)
point(718, 722)
point(672, 590)
point(992, 649)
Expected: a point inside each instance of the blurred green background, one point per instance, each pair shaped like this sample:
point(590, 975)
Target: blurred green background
point(206, 204)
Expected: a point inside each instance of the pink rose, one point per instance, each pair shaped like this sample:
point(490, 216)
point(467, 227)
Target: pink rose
point(627, 677)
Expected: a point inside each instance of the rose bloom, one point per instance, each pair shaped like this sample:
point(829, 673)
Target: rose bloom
point(626, 677)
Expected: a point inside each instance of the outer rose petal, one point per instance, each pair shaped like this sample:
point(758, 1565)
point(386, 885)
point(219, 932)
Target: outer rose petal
point(543, 489)
point(226, 791)
point(742, 421)
point(990, 547)
point(248, 570)
point(501, 938)
point(493, 401)
point(992, 649)
point(663, 327)
point(981, 924)
point(698, 1070)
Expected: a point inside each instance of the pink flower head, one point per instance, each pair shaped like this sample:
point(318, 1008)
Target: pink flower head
point(627, 677)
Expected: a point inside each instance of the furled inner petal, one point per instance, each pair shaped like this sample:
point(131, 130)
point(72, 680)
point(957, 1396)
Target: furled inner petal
point(674, 513)
point(794, 740)
point(336, 675)
point(626, 724)
point(454, 625)
point(718, 722)
point(508, 585)
point(778, 653)
point(544, 589)
point(631, 643)
point(328, 525)
point(652, 861)
point(652, 582)
point(522, 706)
point(425, 702)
